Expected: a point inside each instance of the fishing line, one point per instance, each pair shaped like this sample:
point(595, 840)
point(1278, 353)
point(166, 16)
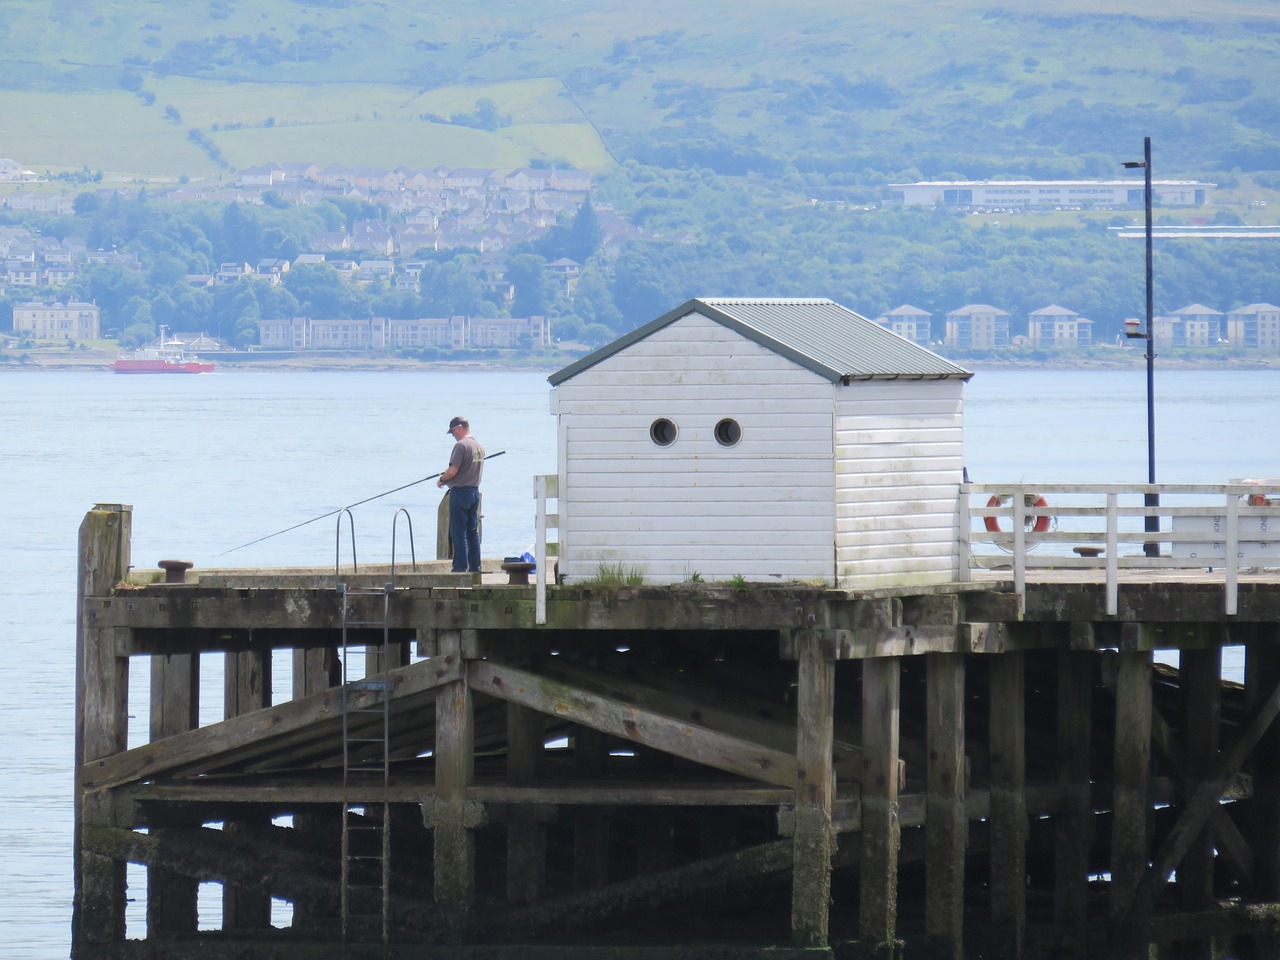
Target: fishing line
point(385, 493)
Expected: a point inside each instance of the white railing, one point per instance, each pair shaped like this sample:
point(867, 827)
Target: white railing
point(545, 487)
point(1216, 527)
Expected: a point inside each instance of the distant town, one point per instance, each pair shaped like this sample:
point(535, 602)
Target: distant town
point(489, 212)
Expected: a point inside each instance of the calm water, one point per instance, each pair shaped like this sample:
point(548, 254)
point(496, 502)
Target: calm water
point(215, 461)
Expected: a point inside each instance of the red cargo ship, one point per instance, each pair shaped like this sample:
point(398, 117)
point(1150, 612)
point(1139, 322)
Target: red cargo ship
point(167, 357)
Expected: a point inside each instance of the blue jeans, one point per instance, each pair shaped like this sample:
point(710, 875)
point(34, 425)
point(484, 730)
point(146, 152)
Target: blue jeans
point(464, 528)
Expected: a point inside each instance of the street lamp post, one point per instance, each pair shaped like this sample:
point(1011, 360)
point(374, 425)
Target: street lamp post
point(1152, 499)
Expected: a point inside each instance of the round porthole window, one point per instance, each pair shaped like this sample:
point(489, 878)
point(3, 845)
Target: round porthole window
point(662, 432)
point(728, 432)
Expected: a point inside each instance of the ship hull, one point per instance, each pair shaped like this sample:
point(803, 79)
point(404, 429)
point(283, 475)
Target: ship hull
point(162, 366)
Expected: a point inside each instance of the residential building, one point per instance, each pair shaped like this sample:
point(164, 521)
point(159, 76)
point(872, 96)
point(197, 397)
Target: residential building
point(380, 333)
point(1195, 325)
point(565, 273)
point(1055, 326)
point(304, 333)
point(977, 325)
point(1256, 326)
point(448, 333)
point(1065, 194)
point(62, 321)
point(229, 273)
point(908, 322)
point(505, 333)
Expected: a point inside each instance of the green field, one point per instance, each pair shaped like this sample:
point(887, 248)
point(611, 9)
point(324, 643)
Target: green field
point(933, 86)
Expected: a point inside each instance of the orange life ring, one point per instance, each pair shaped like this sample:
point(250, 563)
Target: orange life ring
point(1040, 526)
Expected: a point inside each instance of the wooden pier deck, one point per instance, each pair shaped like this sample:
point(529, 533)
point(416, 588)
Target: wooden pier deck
point(699, 770)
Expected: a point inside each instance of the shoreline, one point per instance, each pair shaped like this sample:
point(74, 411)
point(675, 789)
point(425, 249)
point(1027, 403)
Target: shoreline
point(99, 362)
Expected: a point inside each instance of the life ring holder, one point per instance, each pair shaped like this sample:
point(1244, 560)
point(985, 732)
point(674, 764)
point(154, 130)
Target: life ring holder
point(1041, 523)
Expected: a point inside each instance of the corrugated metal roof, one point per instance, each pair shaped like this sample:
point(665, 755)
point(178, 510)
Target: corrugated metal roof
point(818, 334)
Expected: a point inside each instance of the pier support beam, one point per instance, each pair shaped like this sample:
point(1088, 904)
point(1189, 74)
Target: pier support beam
point(102, 691)
point(316, 669)
point(246, 688)
point(814, 840)
point(452, 822)
point(1132, 766)
point(1261, 676)
point(1073, 827)
point(175, 708)
point(881, 834)
point(526, 832)
point(1009, 825)
point(1200, 676)
point(590, 825)
point(946, 825)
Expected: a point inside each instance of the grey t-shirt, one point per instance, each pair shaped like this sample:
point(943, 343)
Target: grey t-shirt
point(468, 457)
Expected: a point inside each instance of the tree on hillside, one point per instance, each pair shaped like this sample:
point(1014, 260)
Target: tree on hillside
point(578, 238)
point(449, 290)
point(527, 272)
point(321, 292)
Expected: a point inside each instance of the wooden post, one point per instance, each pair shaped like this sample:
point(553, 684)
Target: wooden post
point(1073, 828)
point(246, 688)
point(175, 708)
point(316, 669)
point(590, 825)
point(881, 833)
point(454, 843)
point(814, 840)
point(1261, 676)
point(655, 825)
point(1132, 766)
point(1200, 678)
point(102, 717)
point(1009, 825)
point(526, 835)
point(946, 825)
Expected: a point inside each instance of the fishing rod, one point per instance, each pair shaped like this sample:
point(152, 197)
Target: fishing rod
point(376, 496)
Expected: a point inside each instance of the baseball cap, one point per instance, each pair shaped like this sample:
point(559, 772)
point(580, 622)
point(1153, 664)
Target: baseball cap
point(457, 422)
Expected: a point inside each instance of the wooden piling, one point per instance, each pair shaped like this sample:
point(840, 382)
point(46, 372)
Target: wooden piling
point(814, 839)
point(1130, 846)
point(1261, 676)
point(590, 825)
point(448, 815)
point(1008, 822)
point(526, 831)
point(246, 688)
point(102, 692)
point(881, 834)
point(946, 824)
point(1073, 827)
point(175, 708)
point(1201, 683)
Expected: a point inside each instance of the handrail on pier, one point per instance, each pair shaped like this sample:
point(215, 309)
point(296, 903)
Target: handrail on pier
point(545, 487)
point(1231, 527)
point(337, 546)
point(413, 556)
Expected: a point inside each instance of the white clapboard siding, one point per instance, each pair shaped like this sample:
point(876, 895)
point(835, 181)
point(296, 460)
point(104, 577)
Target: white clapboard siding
point(854, 483)
point(755, 509)
point(899, 463)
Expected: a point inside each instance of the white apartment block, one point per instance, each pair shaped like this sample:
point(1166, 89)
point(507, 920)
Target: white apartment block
point(61, 321)
point(1005, 194)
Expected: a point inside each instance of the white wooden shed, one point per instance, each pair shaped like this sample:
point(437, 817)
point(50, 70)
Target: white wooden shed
point(773, 440)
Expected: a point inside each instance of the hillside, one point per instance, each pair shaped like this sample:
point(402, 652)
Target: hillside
point(855, 92)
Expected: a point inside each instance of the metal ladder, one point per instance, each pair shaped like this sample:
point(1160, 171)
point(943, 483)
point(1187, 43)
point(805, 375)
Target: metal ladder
point(366, 773)
point(366, 762)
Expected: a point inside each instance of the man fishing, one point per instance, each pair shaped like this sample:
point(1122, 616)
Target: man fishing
point(462, 477)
